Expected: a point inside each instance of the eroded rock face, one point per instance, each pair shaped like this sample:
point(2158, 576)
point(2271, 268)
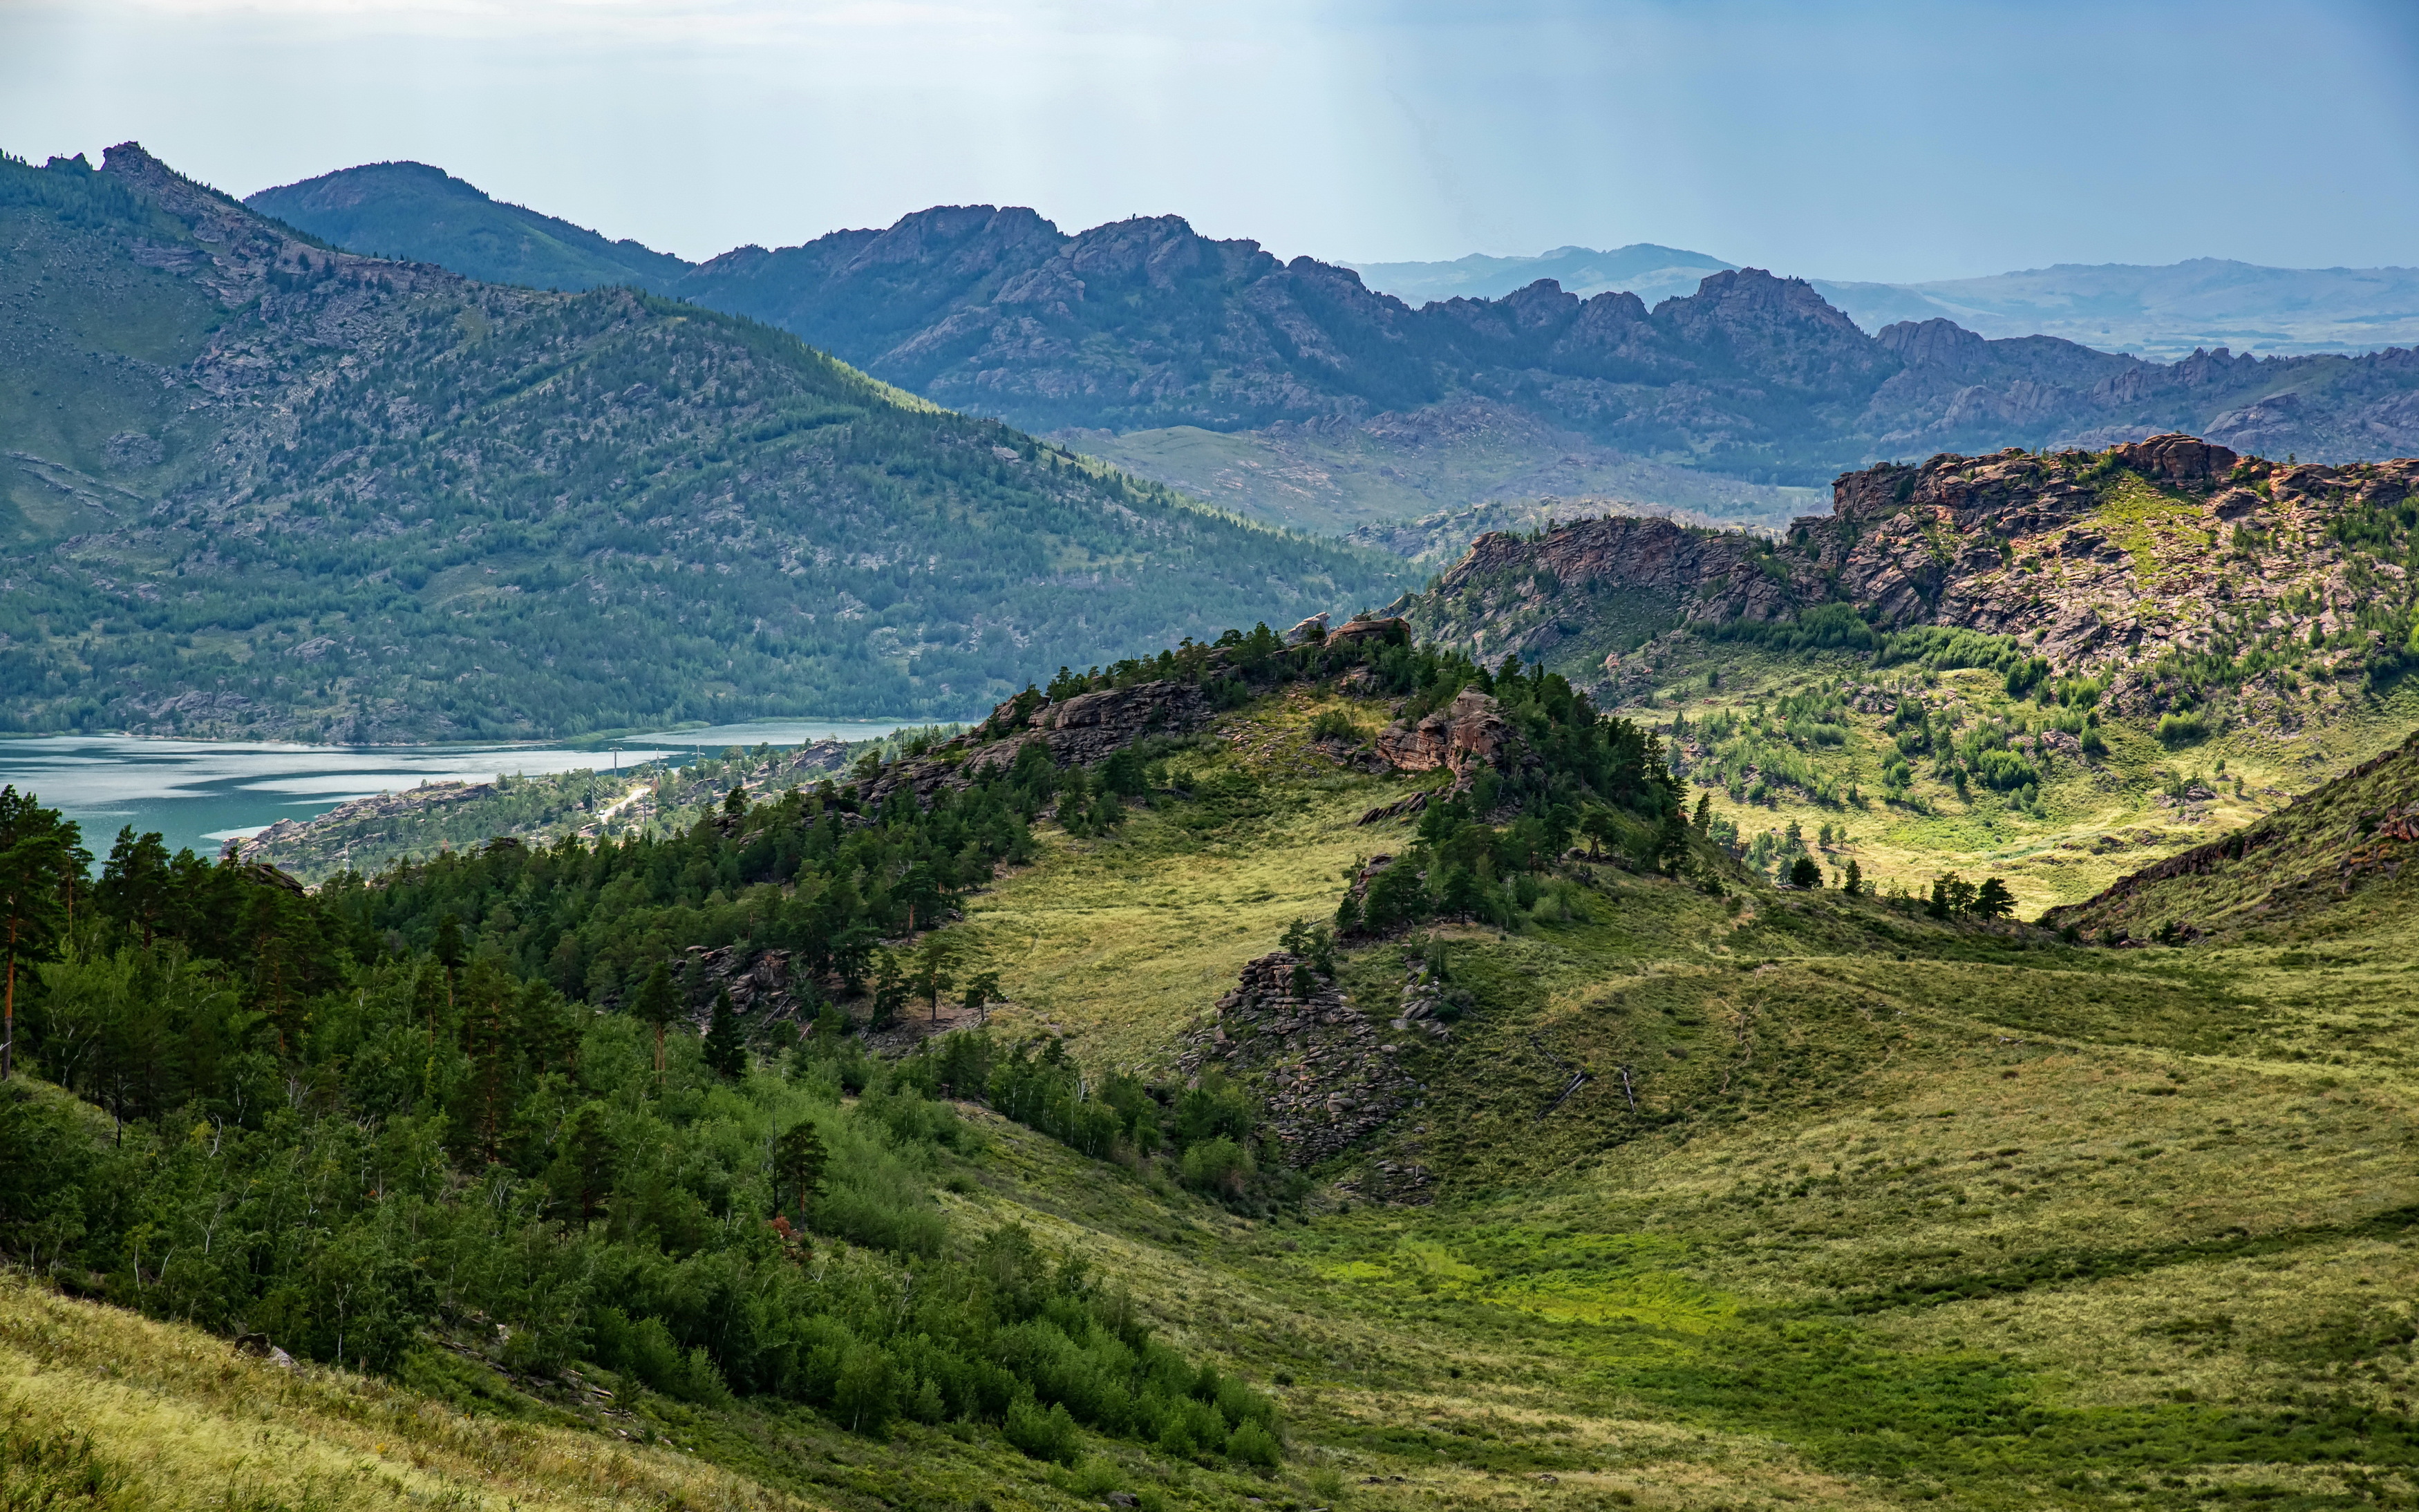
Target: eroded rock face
point(2044, 549)
point(1390, 628)
point(1077, 732)
point(1464, 735)
point(1330, 1078)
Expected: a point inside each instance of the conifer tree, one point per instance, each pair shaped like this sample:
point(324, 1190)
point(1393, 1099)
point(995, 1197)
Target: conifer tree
point(656, 1005)
point(31, 918)
point(1994, 900)
point(799, 1157)
point(726, 1048)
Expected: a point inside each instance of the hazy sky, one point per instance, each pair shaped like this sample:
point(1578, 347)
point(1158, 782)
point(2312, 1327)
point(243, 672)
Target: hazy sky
point(1883, 140)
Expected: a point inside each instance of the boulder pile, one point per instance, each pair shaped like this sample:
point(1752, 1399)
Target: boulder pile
point(1328, 1077)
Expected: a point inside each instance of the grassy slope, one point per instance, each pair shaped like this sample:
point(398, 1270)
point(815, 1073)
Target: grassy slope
point(2095, 825)
point(1904, 1214)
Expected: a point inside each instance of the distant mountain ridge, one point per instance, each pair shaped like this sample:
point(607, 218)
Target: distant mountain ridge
point(254, 486)
point(1653, 273)
point(410, 209)
point(2163, 312)
point(1159, 337)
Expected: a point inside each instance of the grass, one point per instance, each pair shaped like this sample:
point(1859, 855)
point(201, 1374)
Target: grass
point(2091, 825)
point(1852, 1209)
point(1121, 941)
point(180, 1420)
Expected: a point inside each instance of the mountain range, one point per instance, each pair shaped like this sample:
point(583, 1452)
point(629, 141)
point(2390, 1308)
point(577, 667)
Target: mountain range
point(2164, 312)
point(259, 487)
point(1292, 391)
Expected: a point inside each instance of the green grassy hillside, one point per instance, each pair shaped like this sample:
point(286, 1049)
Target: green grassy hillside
point(1702, 1191)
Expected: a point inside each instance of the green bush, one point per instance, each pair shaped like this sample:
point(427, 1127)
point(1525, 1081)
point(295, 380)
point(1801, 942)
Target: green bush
point(1043, 1435)
point(1253, 1444)
point(1218, 1167)
point(1334, 724)
point(2182, 729)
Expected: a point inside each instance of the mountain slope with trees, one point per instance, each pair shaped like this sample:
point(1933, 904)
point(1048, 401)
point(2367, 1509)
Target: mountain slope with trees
point(263, 487)
point(1337, 1137)
point(416, 213)
point(1150, 337)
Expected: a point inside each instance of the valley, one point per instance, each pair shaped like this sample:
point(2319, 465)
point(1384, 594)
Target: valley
point(1449, 931)
point(1703, 1198)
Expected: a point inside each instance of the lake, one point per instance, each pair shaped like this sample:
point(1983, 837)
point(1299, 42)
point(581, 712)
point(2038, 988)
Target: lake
point(203, 793)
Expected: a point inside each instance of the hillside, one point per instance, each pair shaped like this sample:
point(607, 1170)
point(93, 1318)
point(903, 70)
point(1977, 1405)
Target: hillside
point(1291, 391)
point(412, 212)
point(1628, 1186)
point(2329, 864)
point(258, 488)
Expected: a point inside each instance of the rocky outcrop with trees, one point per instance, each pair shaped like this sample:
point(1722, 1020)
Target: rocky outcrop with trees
point(2152, 568)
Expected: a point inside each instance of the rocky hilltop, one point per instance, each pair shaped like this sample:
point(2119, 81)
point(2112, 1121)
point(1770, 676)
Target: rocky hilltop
point(2135, 566)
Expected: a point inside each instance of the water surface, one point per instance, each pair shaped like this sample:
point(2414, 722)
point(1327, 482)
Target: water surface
point(203, 793)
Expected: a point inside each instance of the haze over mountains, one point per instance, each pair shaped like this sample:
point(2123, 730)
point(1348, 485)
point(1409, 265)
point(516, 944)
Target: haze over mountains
point(1292, 391)
point(2163, 312)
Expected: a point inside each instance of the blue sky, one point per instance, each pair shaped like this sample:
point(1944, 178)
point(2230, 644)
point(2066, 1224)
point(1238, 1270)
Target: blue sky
point(1881, 141)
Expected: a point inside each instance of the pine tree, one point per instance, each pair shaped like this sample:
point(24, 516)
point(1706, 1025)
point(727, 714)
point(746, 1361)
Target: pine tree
point(1854, 883)
point(889, 989)
point(726, 1047)
point(31, 919)
point(1992, 900)
point(590, 1158)
point(658, 1005)
point(799, 1158)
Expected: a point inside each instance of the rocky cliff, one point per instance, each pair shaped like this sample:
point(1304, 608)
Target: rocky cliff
point(2106, 564)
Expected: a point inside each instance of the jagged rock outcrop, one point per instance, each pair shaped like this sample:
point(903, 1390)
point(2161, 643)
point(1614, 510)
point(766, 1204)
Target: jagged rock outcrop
point(1464, 735)
point(2101, 563)
point(1328, 1076)
point(1077, 732)
point(1388, 628)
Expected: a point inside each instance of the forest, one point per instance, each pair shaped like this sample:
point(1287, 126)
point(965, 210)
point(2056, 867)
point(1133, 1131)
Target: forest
point(473, 1093)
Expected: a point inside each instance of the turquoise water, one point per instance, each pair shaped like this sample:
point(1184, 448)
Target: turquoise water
point(204, 793)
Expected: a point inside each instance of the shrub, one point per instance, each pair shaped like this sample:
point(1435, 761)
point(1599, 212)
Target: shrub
point(1049, 1435)
point(2005, 771)
point(1253, 1444)
point(1218, 1166)
point(2182, 729)
point(1334, 724)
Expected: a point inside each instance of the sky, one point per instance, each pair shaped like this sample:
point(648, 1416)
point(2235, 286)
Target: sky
point(1890, 141)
